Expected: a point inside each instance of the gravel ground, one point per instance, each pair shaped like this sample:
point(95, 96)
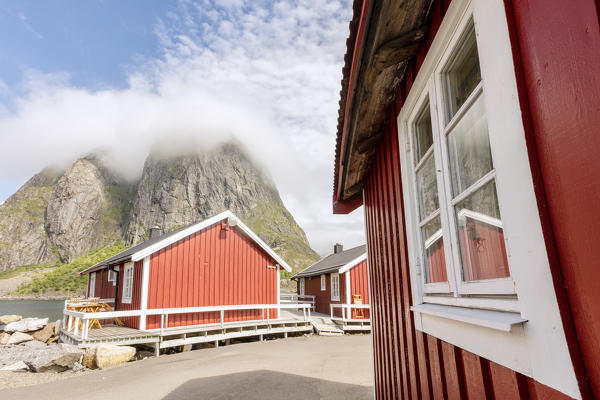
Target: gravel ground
point(10, 380)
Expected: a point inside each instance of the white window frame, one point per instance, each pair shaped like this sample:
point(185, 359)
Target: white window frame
point(112, 276)
point(472, 323)
point(301, 287)
point(323, 282)
point(128, 277)
point(335, 284)
point(92, 284)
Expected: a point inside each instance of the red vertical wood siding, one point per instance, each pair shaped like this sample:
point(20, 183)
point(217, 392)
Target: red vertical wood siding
point(136, 294)
point(312, 287)
point(359, 284)
point(557, 58)
point(103, 289)
point(215, 266)
point(410, 364)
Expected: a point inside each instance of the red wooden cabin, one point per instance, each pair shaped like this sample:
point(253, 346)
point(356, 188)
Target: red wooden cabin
point(337, 279)
point(216, 262)
point(468, 130)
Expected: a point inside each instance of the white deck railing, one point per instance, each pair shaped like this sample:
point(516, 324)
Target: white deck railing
point(72, 319)
point(347, 312)
point(293, 298)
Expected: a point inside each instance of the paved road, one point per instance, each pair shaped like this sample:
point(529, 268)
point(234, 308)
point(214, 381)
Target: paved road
point(303, 368)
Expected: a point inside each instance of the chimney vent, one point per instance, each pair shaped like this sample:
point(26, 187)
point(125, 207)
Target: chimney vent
point(338, 248)
point(155, 231)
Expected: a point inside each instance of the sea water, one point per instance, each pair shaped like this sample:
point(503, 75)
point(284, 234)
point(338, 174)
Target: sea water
point(33, 308)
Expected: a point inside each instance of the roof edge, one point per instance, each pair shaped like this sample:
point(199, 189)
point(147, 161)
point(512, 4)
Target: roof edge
point(202, 225)
point(353, 263)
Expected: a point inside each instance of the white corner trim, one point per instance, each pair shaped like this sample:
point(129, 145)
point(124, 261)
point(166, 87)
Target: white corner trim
point(348, 294)
point(353, 263)
point(204, 224)
point(145, 283)
point(500, 320)
point(278, 286)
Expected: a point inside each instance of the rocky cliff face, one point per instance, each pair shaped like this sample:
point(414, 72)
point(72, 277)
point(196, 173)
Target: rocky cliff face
point(23, 238)
point(62, 216)
point(179, 191)
point(88, 208)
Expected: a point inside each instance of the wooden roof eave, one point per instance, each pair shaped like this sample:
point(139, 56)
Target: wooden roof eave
point(392, 37)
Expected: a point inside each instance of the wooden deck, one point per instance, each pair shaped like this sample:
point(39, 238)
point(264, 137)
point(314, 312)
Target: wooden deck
point(289, 322)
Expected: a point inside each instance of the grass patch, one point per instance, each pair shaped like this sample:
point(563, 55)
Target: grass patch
point(11, 273)
point(63, 279)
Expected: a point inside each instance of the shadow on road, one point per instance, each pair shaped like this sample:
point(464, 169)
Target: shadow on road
point(267, 385)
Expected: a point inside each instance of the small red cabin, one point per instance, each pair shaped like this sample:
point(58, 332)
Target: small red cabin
point(340, 278)
point(216, 262)
point(468, 130)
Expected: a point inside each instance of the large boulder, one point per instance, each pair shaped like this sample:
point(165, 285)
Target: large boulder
point(19, 337)
point(26, 325)
point(89, 358)
point(4, 338)
point(55, 357)
point(34, 344)
point(18, 366)
point(109, 355)
point(7, 319)
point(45, 333)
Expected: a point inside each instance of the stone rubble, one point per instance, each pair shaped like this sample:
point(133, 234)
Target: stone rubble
point(19, 337)
point(36, 351)
point(7, 319)
point(26, 325)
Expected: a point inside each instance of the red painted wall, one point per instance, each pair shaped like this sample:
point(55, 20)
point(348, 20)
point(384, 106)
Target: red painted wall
point(312, 287)
point(408, 363)
point(558, 46)
point(136, 295)
point(359, 284)
point(103, 288)
point(215, 266)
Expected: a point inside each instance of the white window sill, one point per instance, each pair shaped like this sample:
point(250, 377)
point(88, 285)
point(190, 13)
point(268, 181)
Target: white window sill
point(126, 301)
point(499, 320)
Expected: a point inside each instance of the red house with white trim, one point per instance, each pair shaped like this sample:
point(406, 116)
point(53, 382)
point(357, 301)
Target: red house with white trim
point(216, 262)
point(469, 131)
point(340, 278)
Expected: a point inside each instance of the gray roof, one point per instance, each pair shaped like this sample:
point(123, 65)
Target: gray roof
point(332, 262)
point(125, 255)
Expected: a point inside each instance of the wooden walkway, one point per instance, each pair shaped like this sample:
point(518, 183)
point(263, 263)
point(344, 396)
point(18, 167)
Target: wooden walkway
point(290, 322)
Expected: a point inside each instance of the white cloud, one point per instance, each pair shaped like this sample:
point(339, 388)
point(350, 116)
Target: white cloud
point(266, 73)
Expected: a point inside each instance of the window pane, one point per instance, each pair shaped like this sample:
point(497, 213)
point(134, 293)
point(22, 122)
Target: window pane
point(482, 248)
point(463, 74)
point(427, 188)
point(423, 133)
point(469, 148)
point(435, 264)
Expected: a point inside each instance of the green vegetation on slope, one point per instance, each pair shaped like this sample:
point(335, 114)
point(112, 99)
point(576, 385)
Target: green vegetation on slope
point(64, 279)
point(10, 273)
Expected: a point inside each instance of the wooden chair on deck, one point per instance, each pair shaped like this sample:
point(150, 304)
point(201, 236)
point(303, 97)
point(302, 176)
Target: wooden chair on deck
point(358, 312)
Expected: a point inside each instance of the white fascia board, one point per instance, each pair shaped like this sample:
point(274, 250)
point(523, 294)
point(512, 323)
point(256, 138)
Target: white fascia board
point(205, 224)
point(352, 263)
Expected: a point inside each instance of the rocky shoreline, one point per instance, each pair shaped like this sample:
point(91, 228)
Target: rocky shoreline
point(30, 346)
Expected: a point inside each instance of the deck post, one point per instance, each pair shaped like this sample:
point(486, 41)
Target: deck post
point(309, 314)
point(76, 331)
point(222, 318)
point(285, 335)
point(267, 315)
point(216, 344)
point(304, 313)
point(260, 337)
point(162, 323)
point(156, 349)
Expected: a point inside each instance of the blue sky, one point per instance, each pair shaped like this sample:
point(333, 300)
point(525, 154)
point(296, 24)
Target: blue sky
point(117, 77)
point(96, 42)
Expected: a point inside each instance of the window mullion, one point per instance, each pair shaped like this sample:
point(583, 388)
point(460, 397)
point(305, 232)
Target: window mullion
point(443, 183)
